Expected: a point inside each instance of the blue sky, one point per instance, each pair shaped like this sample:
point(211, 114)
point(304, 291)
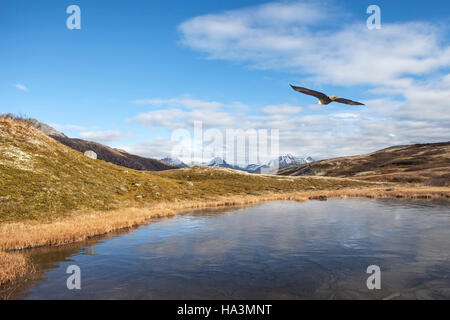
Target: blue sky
point(137, 70)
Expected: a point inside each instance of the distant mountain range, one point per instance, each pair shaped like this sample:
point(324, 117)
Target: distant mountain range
point(125, 159)
point(175, 162)
point(271, 166)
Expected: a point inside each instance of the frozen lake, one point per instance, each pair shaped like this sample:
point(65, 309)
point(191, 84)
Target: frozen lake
point(277, 250)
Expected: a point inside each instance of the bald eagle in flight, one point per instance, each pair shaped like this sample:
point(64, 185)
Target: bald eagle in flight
point(324, 99)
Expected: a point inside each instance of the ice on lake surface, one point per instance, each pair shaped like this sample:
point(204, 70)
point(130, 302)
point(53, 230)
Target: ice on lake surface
point(277, 250)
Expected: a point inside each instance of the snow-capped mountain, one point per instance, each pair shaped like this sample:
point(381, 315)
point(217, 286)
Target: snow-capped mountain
point(175, 162)
point(281, 162)
point(251, 167)
point(289, 160)
point(219, 162)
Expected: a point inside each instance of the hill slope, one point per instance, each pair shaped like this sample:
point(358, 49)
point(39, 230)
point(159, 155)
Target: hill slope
point(42, 179)
point(419, 163)
point(115, 156)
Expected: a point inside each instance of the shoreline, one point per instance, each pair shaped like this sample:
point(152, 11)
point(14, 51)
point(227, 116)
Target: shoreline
point(81, 225)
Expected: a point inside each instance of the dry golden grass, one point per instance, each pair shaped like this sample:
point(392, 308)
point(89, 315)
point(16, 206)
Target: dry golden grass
point(84, 225)
point(397, 191)
point(12, 266)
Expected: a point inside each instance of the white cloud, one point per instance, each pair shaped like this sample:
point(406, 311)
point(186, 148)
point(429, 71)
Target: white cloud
point(344, 54)
point(101, 136)
point(168, 118)
point(181, 102)
point(346, 115)
point(429, 101)
point(182, 112)
point(177, 118)
point(156, 148)
point(242, 33)
point(21, 87)
point(284, 109)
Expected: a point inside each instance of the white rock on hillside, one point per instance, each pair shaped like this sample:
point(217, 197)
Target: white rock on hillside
point(91, 154)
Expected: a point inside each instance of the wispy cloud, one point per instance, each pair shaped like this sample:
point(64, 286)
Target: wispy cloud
point(21, 87)
point(177, 118)
point(282, 109)
point(176, 113)
point(101, 136)
point(181, 102)
point(156, 148)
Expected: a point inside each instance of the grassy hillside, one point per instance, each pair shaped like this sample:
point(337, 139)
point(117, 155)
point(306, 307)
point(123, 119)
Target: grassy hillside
point(427, 164)
point(43, 179)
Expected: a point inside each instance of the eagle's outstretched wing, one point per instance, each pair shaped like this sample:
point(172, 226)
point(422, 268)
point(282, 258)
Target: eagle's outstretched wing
point(319, 95)
point(347, 101)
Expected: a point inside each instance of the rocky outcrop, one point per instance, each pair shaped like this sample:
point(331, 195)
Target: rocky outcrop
point(45, 128)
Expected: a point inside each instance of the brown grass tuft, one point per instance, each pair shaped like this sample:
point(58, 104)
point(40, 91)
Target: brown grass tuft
point(12, 266)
